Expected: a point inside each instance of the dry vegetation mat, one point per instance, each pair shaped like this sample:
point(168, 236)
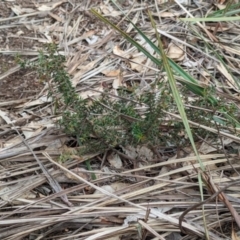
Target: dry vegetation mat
point(119, 119)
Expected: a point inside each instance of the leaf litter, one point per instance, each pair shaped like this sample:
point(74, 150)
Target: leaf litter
point(137, 187)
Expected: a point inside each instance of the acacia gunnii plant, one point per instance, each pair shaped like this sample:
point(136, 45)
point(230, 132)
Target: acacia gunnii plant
point(114, 121)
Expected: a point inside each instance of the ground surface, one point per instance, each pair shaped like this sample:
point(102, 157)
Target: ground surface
point(66, 201)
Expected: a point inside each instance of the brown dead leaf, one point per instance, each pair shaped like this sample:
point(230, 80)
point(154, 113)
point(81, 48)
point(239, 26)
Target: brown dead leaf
point(119, 185)
point(49, 6)
point(20, 11)
point(117, 82)
point(205, 78)
point(234, 235)
point(144, 153)
point(4, 116)
point(168, 14)
point(175, 52)
point(130, 151)
point(114, 187)
point(206, 148)
point(28, 132)
point(231, 83)
point(12, 141)
point(92, 93)
point(111, 73)
point(118, 51)
point(162, 1)
point(83, 69)
point(114, 160)
point(79, 171)
point(215, 28)
point(106, 188)
point(109, 10)
point(137, 62)
point(221, 5)
point(189, 63)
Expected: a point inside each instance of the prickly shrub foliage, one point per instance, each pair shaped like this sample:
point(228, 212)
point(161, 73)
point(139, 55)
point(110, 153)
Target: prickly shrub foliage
point(126, 119)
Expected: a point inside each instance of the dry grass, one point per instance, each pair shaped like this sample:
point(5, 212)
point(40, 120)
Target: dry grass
point(154, 194)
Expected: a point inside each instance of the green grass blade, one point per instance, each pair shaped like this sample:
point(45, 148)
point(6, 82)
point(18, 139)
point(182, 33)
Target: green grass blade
point(180, 106)
point(125, 35)
point(200, 182)
point(182, 112)
point(228, 11)
point(211, 19)
point(176, 94)
point(195, 88)
point(219, 57)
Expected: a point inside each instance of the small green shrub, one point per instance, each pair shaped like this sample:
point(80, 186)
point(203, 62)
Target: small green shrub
point(128, 119)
